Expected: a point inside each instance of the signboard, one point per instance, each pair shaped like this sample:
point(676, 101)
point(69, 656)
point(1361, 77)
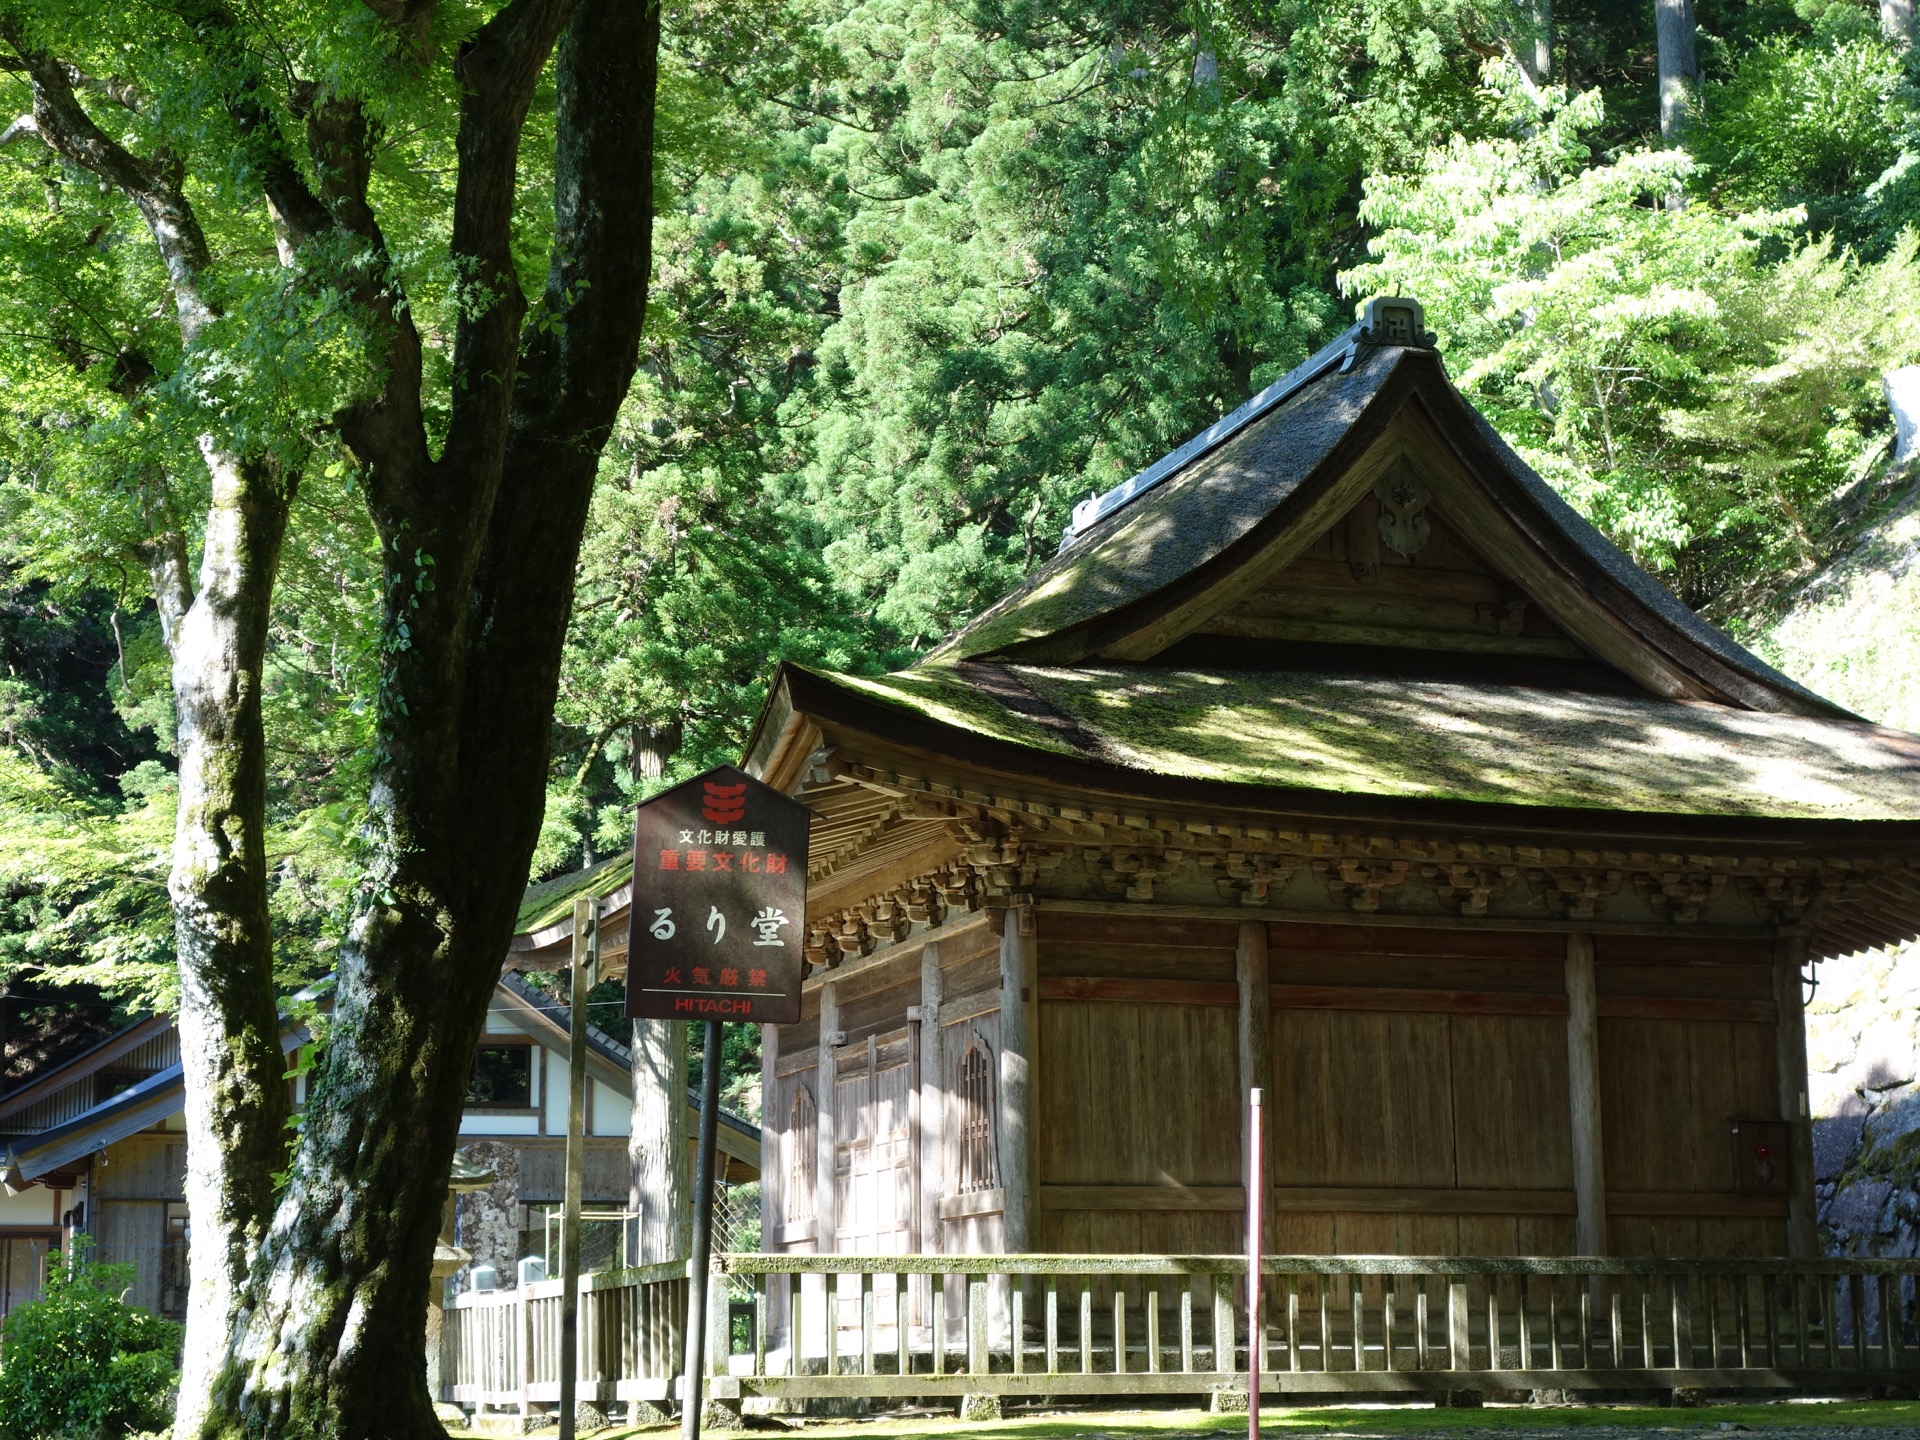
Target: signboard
point(719, 903)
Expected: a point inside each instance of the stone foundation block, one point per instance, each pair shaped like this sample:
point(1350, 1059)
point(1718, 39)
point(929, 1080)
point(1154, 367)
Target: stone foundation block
point(720, 1415)
point(979, 1407)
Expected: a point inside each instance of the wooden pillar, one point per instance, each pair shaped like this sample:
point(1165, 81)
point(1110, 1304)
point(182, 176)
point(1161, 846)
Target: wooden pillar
point(1256, 1025)
point(930, 1131)
point(1019, 958)
point(826, 1186)
point(660, 1190)
point(774, 1140)
point(1583, 1100)
point(1790, 1052)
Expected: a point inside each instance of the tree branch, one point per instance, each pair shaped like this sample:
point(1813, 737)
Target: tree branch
point(22, 126)
point(575, 373)
point(499, 70)
point(172, 578)
point(121, 92)
point(294, 204)
point(580, 362)
point(65, 125)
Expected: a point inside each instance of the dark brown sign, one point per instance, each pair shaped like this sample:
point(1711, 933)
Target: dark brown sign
point(719, 903)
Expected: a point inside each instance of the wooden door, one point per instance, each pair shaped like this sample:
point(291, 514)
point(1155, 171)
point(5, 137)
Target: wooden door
point(873, 1146)
point(873, 1160)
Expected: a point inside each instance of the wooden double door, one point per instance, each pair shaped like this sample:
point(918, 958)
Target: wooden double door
point(873, 1159)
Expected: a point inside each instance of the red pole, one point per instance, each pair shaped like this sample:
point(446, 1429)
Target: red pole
point(1256, 1209)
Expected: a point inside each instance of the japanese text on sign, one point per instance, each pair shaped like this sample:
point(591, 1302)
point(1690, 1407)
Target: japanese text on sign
point(719, 889)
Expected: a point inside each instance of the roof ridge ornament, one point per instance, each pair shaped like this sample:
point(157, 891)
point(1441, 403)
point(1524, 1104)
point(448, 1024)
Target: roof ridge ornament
point(1384, 320)
point(1395, 320)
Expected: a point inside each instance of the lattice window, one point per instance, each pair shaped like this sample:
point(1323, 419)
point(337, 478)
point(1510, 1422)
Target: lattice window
point(802, 1132)
point(977, 1168)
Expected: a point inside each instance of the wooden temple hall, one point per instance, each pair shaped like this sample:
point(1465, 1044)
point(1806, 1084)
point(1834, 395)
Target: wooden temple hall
point(1333, 754)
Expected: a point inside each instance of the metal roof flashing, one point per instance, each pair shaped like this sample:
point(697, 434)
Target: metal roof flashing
point(1384, 320)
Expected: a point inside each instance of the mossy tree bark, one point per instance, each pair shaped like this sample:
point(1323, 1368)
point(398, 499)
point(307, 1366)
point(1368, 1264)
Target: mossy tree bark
point(481, 545)
point(308, 1316)
point(216, 636)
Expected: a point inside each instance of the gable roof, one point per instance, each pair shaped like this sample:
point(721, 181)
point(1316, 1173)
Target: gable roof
point(1221, 656)
point(1253, 494)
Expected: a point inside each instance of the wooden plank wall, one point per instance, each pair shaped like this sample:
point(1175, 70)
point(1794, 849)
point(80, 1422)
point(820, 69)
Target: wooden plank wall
point(1686, 1043)
point(1135, 1102)
point(1420, 1086)
point(1419, 1099)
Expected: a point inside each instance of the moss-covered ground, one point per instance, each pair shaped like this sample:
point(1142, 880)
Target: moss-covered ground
point(1388, 1422)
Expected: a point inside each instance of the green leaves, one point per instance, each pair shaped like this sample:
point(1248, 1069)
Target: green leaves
point(81, 1362)
point(1700, 382)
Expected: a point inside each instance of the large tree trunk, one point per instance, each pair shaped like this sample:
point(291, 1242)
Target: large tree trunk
point(662, 1187)
point(660, 1191)
point(233, 1068)
point(479, 548)
point(332, 1341)
point(1535, 49)
point(236, 1093)
point(1679, 72)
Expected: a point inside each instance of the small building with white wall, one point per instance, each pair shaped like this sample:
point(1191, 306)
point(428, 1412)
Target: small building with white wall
point(97, 1145)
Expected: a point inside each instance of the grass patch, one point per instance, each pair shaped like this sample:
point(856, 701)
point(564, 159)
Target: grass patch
point(1386, 1422)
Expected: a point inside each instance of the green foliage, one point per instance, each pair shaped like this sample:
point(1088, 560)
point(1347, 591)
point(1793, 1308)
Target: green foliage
point(1085, 233)
point(926, 272)
point(80, 1363)
point(1700, 382)
point(1810, 125)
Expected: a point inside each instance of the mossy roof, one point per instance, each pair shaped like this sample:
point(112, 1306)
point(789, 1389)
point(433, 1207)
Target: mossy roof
point(1448, 741)
point(1185, 521)
point(551, 901)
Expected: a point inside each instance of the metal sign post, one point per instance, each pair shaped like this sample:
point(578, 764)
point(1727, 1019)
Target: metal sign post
point(702, 1256)
point(1256, 1211)
point(718, 933)
point(586, 963)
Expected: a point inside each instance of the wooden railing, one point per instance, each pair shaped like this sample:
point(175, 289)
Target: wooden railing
point(904, 1326)
point(501, 1349)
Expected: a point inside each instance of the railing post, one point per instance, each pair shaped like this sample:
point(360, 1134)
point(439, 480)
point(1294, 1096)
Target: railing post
point(1459, 1357)
point(526, 1351)
point(977, 1353)
point(719, 1323)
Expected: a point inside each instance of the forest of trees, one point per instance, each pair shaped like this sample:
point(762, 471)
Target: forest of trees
point(928, 271)
point(923, 274)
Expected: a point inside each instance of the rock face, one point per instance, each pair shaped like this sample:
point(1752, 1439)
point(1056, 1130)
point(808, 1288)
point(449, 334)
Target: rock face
point(1863, 1062)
